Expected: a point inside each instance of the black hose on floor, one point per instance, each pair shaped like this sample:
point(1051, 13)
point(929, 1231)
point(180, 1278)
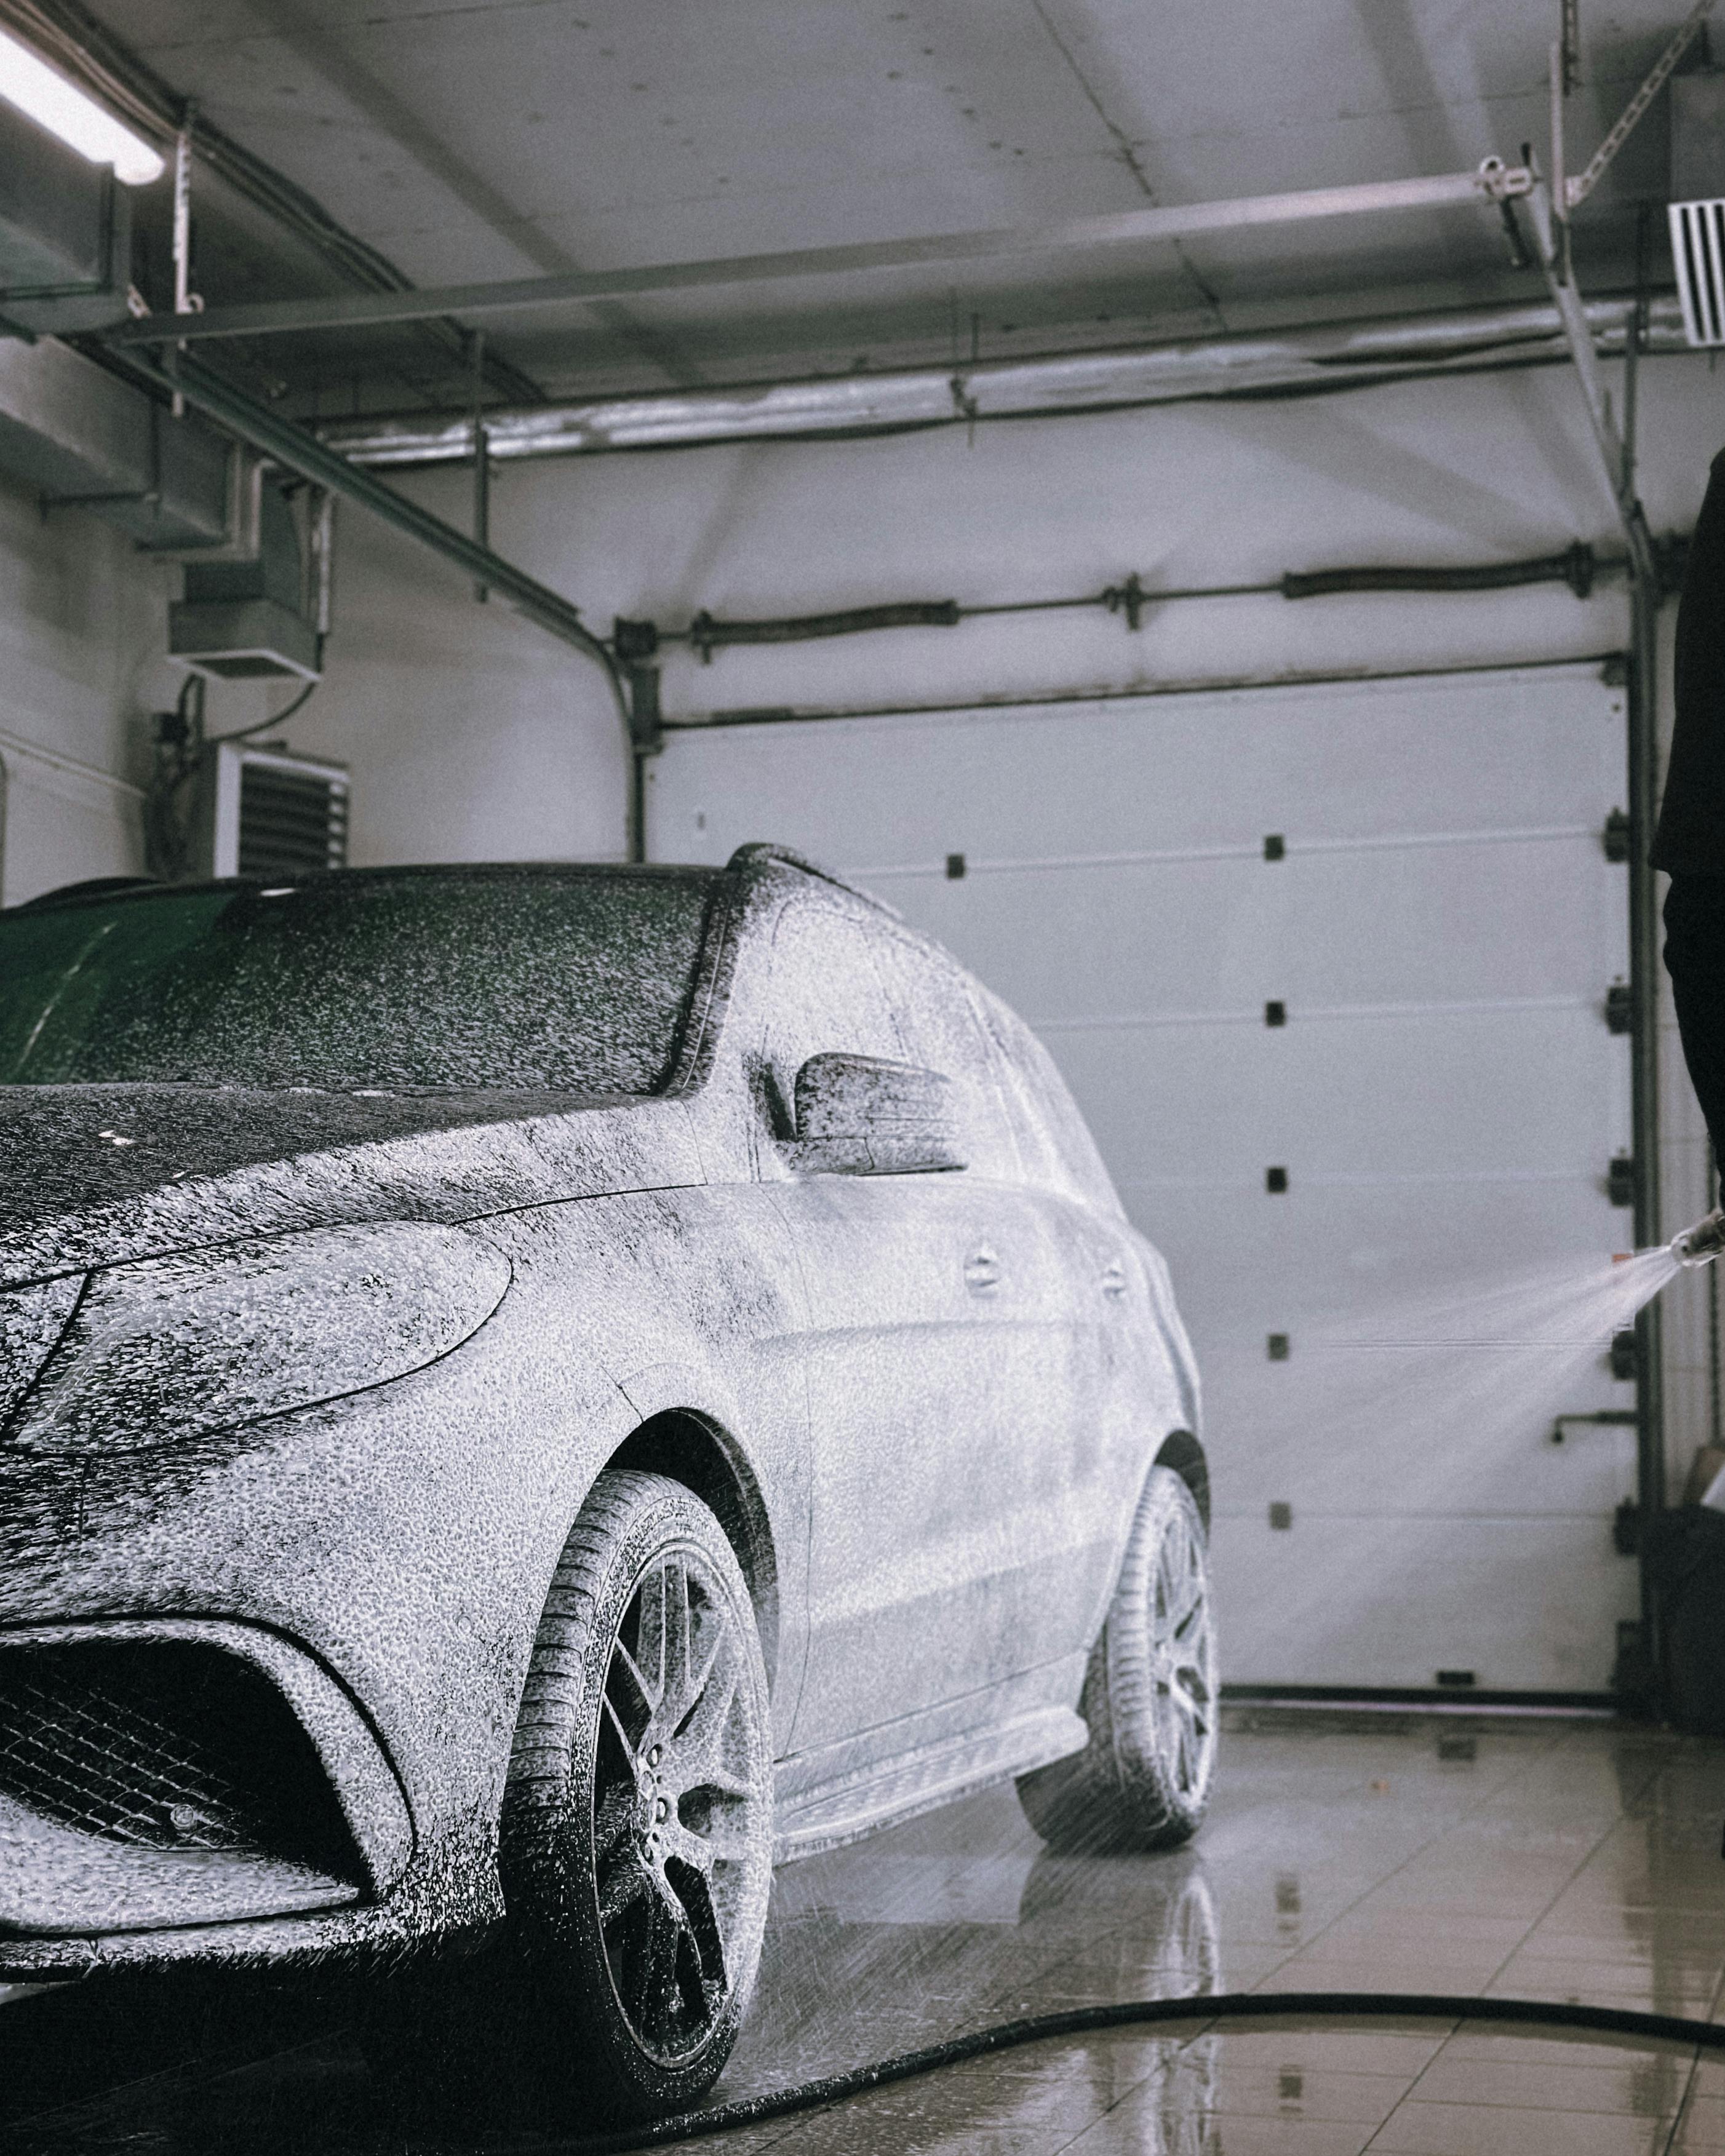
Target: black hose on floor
point(1221, 2006)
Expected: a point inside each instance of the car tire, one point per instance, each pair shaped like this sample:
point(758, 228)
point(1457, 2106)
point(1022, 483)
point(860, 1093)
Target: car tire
point(1150, 1697)
point(636, 1845)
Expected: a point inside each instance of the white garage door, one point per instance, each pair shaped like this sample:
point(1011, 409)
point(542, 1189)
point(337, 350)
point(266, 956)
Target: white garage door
point(1354, 938)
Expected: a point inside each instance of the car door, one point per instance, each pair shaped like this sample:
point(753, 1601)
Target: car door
point(1044, 1363)
point(1122, 1381)
point(911, 1282)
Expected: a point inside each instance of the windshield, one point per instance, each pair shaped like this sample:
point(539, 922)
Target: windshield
point(557, 980)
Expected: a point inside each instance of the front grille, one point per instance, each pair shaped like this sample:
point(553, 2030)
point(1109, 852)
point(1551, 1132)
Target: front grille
point(166, 1745)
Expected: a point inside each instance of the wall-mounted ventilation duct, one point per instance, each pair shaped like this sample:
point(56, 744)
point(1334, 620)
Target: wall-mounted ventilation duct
point(65, 234)
point(1697, 207)
point(81, 438)
point(249, 620)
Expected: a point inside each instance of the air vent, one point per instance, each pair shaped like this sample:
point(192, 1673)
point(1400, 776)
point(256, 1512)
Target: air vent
point(275, 815)
point(1699, 251)
point(290, 820)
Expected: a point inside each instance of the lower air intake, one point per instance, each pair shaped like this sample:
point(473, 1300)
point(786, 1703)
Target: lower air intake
point(166, 1746)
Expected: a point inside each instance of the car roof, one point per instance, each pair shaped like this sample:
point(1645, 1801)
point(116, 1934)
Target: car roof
point(756, 856)
point(109, 890)
point(764, 854)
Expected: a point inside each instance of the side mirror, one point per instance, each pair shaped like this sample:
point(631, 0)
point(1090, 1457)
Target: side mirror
point(858, 1115)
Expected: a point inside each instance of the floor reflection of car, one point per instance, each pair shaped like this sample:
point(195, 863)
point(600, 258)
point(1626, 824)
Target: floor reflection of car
point(529, 1393)
point(961, 1921)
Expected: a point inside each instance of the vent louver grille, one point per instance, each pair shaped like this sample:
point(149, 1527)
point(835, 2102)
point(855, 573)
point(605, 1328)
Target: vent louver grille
point(1699, 251)
point(291, 822)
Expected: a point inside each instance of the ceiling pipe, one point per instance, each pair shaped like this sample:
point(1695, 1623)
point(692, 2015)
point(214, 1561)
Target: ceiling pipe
point(1300, 362)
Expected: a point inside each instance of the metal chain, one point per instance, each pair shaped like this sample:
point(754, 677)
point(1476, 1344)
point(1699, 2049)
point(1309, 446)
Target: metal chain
point(1577, 191)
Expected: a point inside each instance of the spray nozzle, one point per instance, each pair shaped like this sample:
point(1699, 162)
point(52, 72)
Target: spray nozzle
point(1700, 1245)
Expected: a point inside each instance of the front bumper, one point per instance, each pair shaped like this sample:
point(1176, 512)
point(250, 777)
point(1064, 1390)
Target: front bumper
point(169, 1776)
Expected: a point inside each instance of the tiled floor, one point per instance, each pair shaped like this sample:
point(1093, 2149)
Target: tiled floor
point(1542, 1859)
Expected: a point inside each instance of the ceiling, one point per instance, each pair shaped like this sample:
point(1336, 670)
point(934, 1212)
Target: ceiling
point(469, 140)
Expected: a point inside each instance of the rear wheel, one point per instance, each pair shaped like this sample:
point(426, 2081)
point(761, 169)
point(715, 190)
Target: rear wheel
point(636, 1832)
point(1149, 1700)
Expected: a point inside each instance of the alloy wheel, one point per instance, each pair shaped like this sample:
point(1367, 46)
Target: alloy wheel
point(1183, 1659)
point(679, 1806)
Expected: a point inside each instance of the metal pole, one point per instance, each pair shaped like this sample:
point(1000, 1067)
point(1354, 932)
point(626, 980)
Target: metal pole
point(182, 234)
point(646, 737)
point(1577, 335)
point(1559, 66)
point(1492, 182)
point(1643, 1080)
point(1616, 460)
point(482, 455)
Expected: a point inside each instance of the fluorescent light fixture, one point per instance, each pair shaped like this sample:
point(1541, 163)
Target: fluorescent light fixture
point(73, 115)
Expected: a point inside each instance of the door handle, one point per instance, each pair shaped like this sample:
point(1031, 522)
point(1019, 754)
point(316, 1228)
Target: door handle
point(982, 1272)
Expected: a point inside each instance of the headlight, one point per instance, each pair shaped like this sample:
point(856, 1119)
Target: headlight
point(172, 1348)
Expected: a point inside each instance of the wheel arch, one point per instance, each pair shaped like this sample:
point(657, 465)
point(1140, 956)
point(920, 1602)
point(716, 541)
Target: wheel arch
point(1181, 1450)
point(692, 1449)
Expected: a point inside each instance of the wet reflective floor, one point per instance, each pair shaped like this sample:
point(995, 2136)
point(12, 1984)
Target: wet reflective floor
point(1532, 1859)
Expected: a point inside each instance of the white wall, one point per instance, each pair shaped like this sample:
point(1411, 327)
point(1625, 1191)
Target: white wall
point(473, 735)
point(79, 625)
point(1457, 470)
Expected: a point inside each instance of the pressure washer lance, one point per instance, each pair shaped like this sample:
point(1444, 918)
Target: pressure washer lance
point(1701, 1244)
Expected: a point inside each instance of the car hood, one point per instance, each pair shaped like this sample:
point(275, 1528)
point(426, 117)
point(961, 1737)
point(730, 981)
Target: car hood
point(92, 1174)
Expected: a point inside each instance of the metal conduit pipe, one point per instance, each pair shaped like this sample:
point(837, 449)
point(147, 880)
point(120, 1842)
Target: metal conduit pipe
point(1312, 362)
point(1577, 565)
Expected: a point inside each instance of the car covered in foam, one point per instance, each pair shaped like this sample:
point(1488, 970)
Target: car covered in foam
point(528, 1394)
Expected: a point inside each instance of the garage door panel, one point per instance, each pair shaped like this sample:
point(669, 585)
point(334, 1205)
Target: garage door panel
point(1326, 761)
point(1402, 1389)
point(1225, 937)
point(1525, 1606)
point(1441, 929)
point(1435, 1093)
point(1416, 1432)
point(1412, 1436)
point(1543, 747)
point(1391, 1262)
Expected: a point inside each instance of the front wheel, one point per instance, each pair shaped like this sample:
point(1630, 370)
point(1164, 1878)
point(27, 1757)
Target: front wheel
point(1149, 1699)
point(637, 1831)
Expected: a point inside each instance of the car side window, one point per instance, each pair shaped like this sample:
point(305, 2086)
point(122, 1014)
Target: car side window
point(945, 1033)
point(1059, 1151)
point(825, 993)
